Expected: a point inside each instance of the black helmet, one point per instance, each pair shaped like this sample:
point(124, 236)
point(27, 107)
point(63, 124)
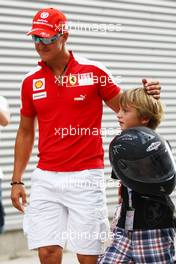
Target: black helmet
point(143, 161)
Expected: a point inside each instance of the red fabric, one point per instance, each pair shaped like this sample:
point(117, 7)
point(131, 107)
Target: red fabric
point(48, 22)
point(63, 110)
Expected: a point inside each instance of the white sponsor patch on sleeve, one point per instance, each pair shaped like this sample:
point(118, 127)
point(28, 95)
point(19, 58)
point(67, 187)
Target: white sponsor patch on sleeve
point(37, 96)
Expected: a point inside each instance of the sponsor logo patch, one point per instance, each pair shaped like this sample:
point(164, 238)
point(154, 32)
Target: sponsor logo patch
point(82, 97)
point(37, 96)
point(80, 79)
point(153, 146)
point(38, 84)
point(73, 80)
point(44, 15)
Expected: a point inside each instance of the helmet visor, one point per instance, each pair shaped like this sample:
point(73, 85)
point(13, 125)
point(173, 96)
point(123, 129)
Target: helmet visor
point(156, 168)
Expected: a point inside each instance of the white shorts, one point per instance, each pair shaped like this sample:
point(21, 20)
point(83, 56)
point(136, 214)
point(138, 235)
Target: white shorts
point(67, 207)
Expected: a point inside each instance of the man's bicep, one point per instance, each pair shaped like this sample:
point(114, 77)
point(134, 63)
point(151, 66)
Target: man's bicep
point(27, 124)
point(27, 104)
point(113, 103)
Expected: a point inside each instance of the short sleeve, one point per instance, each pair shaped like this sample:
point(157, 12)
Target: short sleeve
point(107, 85)
point(27, 106)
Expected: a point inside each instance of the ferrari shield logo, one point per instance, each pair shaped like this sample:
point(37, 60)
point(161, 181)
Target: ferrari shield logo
point(72, 79)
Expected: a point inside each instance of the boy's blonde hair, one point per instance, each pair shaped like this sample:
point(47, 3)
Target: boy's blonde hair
point(146, 105)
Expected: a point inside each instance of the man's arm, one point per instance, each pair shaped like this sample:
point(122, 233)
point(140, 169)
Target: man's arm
point(152, 88)
point(23, 148)
point(114, 102)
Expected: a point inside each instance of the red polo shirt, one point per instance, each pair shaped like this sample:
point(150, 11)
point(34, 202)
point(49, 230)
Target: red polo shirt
point(69, 115)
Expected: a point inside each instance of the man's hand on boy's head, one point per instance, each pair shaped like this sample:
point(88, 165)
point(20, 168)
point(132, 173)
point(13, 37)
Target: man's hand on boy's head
point(152, 88)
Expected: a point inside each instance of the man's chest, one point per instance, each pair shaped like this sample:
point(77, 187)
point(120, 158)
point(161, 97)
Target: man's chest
point(73, 93)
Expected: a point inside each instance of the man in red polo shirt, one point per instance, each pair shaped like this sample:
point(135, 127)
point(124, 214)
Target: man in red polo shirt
point(65, 94)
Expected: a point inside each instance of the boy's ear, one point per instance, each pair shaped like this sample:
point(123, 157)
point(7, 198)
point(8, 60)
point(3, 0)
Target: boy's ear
point(145, 120)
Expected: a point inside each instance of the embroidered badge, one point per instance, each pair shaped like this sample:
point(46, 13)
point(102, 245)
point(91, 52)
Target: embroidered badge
point(38, 84)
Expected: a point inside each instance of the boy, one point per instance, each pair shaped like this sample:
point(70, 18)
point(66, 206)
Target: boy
point(145, 230)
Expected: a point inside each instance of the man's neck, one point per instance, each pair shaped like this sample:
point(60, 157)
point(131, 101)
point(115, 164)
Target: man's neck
point(59, 62)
